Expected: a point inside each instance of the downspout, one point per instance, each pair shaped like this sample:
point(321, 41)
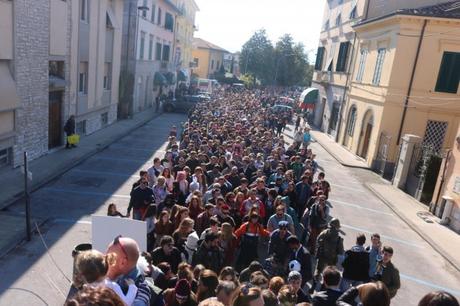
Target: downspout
point(443, 178)
point(346, 87)
point(409, 89)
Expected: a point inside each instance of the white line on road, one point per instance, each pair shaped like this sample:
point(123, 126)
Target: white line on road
point(106, 173)
point(72, 221)
point(89, 193)
point(347, 187)
point(360, 207)
point(429, 284)
point(383, 236)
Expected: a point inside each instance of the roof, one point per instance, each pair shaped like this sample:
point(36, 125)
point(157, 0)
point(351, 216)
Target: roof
point(203, 44)
point(449, 9)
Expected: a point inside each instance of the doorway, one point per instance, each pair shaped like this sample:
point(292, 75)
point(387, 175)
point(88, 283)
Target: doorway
point(54, 119)
point(366, 133)
point(334, 118)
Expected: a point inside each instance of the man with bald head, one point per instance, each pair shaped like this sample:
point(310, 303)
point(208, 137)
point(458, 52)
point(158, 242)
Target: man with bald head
point(127, 254)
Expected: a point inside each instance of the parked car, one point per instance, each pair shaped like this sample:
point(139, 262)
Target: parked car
point(183, 104)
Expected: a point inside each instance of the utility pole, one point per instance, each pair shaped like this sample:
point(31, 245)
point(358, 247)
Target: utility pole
point(27, 197)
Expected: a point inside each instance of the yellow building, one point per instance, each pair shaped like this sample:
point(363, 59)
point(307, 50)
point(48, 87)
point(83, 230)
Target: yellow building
point(185, 28)
point(207, 58)
point(404, 81)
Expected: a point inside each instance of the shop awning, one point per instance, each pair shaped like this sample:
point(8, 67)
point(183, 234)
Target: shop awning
point(159, 79)
point(182, 75)
point(308, 98)
point(10, 98)
point(170, 77)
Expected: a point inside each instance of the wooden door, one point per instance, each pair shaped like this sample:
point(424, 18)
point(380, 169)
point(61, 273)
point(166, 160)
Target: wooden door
point(367, 138)
point(54, 120)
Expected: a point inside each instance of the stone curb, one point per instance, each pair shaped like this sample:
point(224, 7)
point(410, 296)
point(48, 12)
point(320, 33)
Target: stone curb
point(76, 161)
point(414, 227)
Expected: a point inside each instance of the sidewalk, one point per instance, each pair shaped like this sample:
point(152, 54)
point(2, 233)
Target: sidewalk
point(412, 212)
point(444, 240)
point(337, 151)
point(52, 165)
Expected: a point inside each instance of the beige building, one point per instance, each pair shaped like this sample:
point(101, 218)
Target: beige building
point(57, 58)
point(207, 58)
point(404, 81)
point(333, 61)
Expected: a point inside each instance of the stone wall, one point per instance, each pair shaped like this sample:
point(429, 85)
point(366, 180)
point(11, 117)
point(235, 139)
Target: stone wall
point(31, 54)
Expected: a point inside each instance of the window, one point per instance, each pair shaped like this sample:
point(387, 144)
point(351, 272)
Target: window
point(144, 11)
point(353, 12)
point(166, 53)
point(218, 65)
point(319, 58)
point(83, 78)
point(343, 53)
point(159, 16)
point(104, 118)
point(449, 73)
point(362, 65)
point(196, 61)
point(81, 127)
point(56, 68)
point(326, 25)
point(141, 47)
point(107, 76)
point(212, 64)
point(5, 157)
point(84, 10)
point(152, 17)
point(150, 47)
point(338, 20)
point(378, 66)
point(351, 121)
point(158, 52)
point(169, 22)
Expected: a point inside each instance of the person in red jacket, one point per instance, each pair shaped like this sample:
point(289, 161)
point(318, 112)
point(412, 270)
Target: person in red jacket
point(248, 235)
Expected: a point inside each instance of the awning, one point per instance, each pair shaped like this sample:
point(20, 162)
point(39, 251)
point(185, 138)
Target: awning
point(159, 79)
point(182, 75)
point(170, 77)
point(10, 98)
point(308, 98)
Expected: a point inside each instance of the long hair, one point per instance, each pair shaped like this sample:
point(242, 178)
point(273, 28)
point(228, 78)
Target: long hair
point(93, 265)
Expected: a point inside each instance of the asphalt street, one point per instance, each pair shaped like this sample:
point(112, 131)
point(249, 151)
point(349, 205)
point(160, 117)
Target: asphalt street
point(32, 276)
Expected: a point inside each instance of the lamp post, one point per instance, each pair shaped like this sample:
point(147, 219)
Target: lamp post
point(277, 65)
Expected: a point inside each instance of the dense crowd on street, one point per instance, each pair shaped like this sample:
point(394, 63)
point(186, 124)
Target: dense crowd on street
point(238, 214)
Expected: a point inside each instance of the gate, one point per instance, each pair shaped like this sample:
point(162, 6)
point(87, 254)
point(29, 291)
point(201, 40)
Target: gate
point(382, 155)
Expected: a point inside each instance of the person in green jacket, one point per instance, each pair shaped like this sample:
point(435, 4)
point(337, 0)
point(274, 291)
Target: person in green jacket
point(387, 272)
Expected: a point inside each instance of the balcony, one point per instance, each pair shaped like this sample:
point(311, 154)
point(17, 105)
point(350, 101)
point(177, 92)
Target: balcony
point(323, 77)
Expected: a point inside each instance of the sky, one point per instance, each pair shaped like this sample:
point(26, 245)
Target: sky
point(230, 23)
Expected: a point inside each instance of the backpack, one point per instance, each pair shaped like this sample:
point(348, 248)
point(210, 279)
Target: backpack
point(328, 244)
point(156, 294)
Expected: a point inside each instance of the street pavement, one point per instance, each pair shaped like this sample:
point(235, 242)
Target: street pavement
point(33, 276)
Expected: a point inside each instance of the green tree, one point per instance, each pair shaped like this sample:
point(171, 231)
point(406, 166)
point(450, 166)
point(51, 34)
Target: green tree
point(257, 56)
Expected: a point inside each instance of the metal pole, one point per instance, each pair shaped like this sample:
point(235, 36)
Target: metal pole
point(27, 197)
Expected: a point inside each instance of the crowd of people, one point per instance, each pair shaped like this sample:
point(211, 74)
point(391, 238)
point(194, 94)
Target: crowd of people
point(237, 214)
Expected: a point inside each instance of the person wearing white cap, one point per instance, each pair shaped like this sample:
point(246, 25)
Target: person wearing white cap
point(295, 280)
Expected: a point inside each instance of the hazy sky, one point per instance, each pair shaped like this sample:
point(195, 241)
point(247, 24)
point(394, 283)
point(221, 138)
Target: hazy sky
point(230, 23)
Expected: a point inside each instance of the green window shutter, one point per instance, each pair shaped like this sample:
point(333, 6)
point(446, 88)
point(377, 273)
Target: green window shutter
point(319, 58)
point(449, 73)
point(343, 53)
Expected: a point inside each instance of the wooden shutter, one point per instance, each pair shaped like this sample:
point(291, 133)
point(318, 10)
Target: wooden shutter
point(319, 58)
point(449, 73)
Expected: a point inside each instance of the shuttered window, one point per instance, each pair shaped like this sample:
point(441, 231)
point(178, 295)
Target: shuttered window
point(449, 73)
point(319, 58)
point(379, 66)
point(343, 53)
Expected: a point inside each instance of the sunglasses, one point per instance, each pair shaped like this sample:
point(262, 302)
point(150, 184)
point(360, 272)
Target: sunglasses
point(117, 241)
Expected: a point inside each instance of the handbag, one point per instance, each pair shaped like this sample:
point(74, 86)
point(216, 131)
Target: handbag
point(73, 139)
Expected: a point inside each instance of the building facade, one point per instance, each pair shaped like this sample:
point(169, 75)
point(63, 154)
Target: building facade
point(207, 57)
point(405, 81)
point(334, 59)
point(57, 58)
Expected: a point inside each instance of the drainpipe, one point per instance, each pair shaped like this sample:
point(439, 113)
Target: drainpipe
point(346, 87)
point(443, 178)
point(409, 89)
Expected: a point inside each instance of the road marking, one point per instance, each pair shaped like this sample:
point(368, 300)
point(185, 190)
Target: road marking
point(123, 159)
point(89, 193)
point(106, 173)
point(72, 221)
point(383, 236)
point(360, 207)
point(429, 284)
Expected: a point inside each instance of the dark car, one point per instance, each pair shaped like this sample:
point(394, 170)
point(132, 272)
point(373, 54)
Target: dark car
point(183, 104)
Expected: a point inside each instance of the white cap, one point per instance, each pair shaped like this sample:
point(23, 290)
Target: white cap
point(294, 265)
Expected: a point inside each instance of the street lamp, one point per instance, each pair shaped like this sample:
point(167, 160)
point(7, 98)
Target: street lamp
point(277, 65)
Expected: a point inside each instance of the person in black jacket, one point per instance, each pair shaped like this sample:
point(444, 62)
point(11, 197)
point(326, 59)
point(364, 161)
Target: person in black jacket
point(141, 197)
point(208, 253)
point(69, 129)
point(331, 281)
point(301, 254)
point(355, 265)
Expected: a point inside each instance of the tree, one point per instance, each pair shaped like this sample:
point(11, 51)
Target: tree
point(256, 57)
point(292, 67)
